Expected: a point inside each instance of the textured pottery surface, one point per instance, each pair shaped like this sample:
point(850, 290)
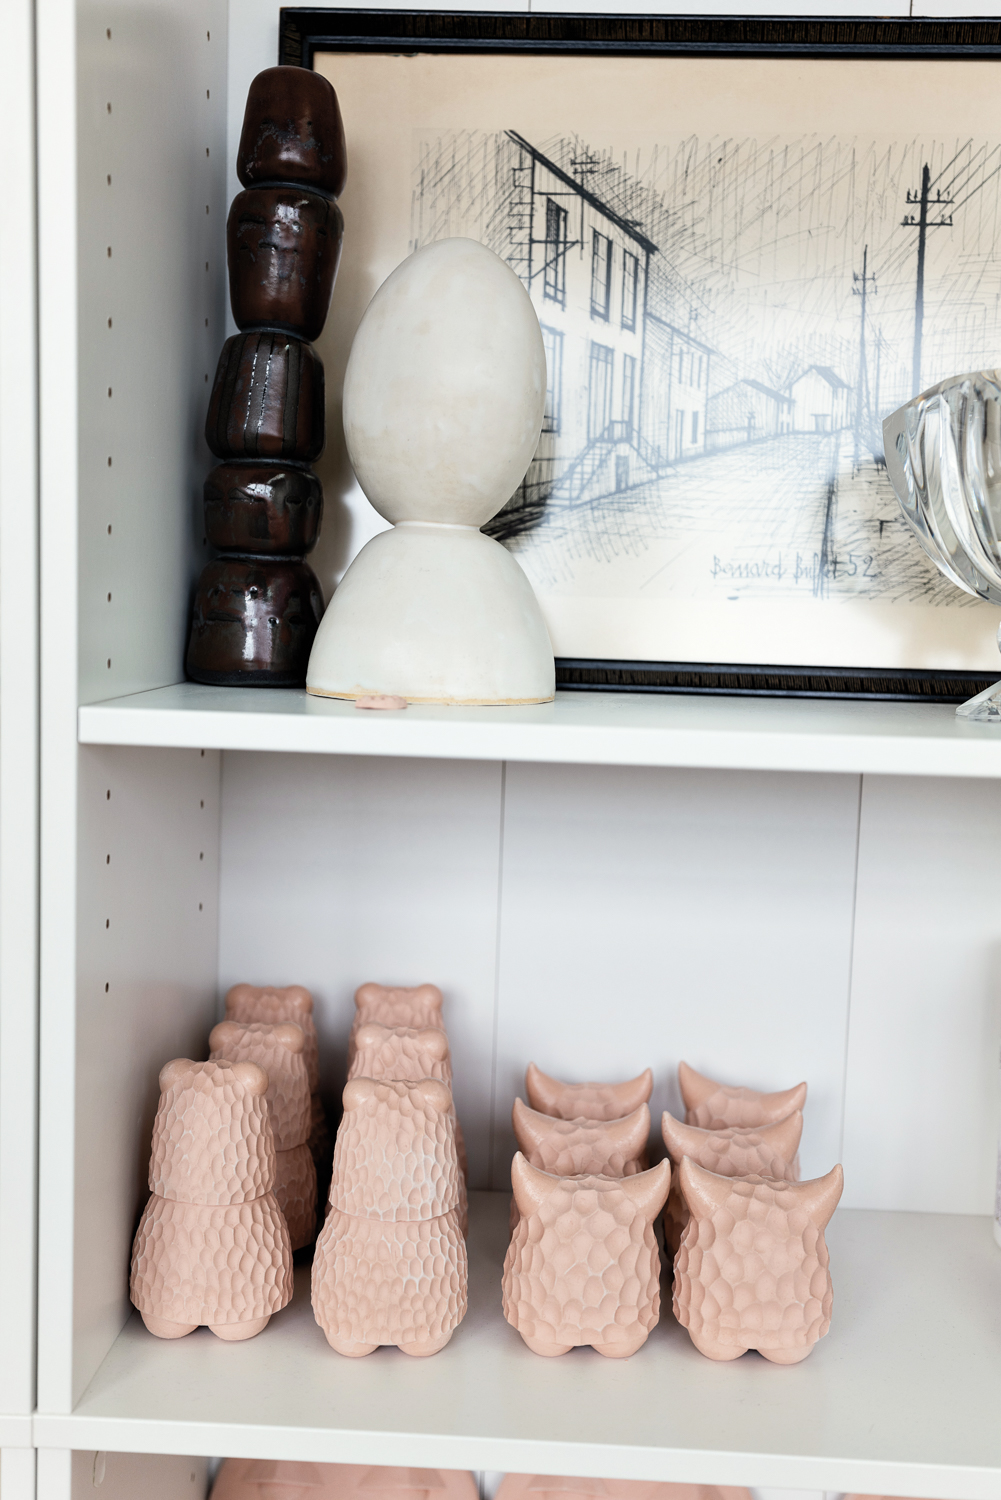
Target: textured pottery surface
point(583, 1266)
point(753, 1271)
point(262, 508)
point(278, 1050)
point(403, 1052)
point(284, 247)
point(574, 1148)
point(253, 1002)
point(212, 1246)
point(590, 1101)
point(565, 1487)
point(267, 399)
point(416, 1008)
point(293, 132)
point(765, 1151)
point(390, 1264)
point(714, 1106)
point(444, 395)
point(271, 1479)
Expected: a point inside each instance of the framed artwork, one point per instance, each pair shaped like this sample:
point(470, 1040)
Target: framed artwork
point(747, 241)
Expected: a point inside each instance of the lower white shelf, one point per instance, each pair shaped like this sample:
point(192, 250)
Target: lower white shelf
point(901, 1397)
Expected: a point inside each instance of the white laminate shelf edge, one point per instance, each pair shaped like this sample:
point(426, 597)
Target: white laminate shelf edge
point(901, 1397)
point(624, 729)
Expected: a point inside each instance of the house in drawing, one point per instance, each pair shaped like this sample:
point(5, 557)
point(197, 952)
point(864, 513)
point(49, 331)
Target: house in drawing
point(675, 389)
point(821, 400)
point(745, 411)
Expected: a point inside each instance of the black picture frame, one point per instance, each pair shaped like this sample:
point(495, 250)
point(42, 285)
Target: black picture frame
point(306, 30)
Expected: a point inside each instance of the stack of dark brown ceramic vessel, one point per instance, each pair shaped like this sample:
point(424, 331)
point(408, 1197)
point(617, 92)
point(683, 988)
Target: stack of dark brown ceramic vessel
point(257, 605)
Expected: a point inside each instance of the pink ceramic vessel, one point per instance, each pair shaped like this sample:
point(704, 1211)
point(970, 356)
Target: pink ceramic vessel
point(715, 1106)
point(271, 1479)
point(279, 1051)
point(212, 1247)
point(590, 1101)
point(390, 1264)
point(404, 1053)
point(582, 1266)
point(416, 1008)
point(577, 1148)
point(753, 1271)
point(250, 1002)
point(768, 1151)
point(565, 1487)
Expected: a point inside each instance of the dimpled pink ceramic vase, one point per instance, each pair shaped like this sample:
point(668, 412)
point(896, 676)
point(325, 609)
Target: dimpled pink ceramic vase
point(752, 1271)
point(589, 1101)
point(250, 1002)
point(565, 1487)
point(767, 1151)
point(583, 1266)
point(279, 1051)
point(576, 1148)
point(290, 1479)
point(406, 1054)
point(390, 1264)
point(416, 1008)
point(212, 1247)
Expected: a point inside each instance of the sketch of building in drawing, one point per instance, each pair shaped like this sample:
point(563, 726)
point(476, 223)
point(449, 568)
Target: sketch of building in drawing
point(726, 323)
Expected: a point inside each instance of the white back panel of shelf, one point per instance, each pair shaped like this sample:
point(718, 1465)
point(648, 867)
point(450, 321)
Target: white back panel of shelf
point(17, 1473)
point(88, 1475)
point(643, 916)
point(922, 1102)
point(18, 725)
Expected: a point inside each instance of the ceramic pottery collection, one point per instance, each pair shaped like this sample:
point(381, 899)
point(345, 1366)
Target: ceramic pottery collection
point(258, 604)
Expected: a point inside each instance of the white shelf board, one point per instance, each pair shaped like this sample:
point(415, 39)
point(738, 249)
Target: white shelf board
point(901, 1397)
point(627, 729)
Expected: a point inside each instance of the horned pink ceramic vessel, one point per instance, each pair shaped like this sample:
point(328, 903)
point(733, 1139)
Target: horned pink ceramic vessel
point(279, 1051)
point(416, 1008)
point(752, 1271)
point(715, 1106)
point(565, 1487)
point(289, 1479)
point(589, 1101)
point(390, 1264)
point(294, 1003)
point(575, 1148)
point(404, 1053)
point(583, 1266)
point(212, 1247)
point(768, 1151)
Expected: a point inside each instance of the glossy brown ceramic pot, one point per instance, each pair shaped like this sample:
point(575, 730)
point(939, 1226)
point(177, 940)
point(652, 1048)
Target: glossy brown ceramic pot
point(293, 132)
point(267, 399)
point(284, 246)
point(263, 508)
point(253, 622)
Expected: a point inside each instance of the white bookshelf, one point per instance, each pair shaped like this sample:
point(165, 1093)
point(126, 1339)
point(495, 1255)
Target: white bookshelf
point(771, 889)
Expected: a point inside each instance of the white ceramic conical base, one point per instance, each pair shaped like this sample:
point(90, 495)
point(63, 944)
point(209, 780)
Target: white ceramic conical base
point(434, 614)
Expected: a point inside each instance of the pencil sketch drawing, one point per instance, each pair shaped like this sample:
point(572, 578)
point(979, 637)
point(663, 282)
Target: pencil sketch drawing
point(726, 324)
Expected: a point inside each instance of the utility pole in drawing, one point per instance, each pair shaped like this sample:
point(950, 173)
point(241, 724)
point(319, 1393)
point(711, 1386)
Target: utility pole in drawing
point(862, 395)
point(922, 224)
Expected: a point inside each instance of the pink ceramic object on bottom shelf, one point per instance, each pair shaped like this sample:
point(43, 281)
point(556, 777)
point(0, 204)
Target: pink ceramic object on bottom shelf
point(390, 1264)
point(271, 1479)
point(753, 1270)
point(565, 1487)
point(418, 1008)
point(590, 1101)
point(583, 1266)
point(767, 1151)
point(404, 1053)
point(279, 1051)
point(294, 1003)
point(212, 1247)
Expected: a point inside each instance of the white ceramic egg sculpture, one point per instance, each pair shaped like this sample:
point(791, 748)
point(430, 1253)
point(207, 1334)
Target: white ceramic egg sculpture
point(443, 401)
